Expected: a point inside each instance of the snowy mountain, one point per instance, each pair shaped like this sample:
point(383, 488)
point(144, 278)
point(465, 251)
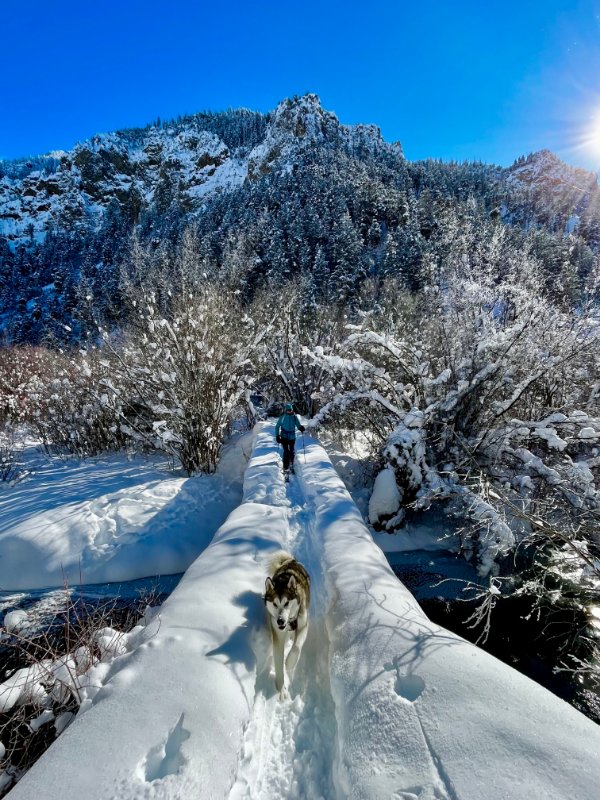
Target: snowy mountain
point(135, 167)
point(293, 191)
point(557, 191)
point(76, 188)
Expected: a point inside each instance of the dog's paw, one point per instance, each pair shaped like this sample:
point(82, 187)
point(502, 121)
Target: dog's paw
point(284, 694)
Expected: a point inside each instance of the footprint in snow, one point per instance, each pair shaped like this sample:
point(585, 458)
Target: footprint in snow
point(166, 758)
point(409, 687)
point(412, 793)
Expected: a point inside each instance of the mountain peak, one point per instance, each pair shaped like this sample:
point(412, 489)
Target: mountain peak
point(304, 117)
point(544, 166)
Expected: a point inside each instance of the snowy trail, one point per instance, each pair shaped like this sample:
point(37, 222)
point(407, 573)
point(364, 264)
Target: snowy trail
point(289, 747)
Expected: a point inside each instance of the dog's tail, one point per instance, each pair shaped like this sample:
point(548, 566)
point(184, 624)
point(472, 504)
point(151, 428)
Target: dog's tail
point(278, 560)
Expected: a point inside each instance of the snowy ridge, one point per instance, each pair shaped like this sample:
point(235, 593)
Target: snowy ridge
point(110, 167)
point(301, 124)
point(555, 185)
point(543, 167)
point(76, 188)
point(384, 704)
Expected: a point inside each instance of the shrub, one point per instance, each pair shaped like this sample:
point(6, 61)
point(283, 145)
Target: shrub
point(49, 673)
point(57, 395)
point(179, 376)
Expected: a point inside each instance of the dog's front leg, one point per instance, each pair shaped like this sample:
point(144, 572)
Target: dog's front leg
point(278, 662)
point(294, 654)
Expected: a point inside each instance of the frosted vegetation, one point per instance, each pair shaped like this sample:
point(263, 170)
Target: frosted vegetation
point(57, 662)
point(447, 313)
point(478, 393)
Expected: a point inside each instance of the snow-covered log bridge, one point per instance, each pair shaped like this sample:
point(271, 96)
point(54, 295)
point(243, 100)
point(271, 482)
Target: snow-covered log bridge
point(384, 703)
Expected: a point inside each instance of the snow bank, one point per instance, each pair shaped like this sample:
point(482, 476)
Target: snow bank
point(421, 713)
point(385, 499)
point(112, 519)
point(15, 620)
point(170, 718)
point(413, 712)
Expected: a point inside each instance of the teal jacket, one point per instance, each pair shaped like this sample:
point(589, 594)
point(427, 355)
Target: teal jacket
point(287, 424)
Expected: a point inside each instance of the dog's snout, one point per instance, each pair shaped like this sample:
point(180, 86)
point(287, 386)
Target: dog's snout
point(280, 623)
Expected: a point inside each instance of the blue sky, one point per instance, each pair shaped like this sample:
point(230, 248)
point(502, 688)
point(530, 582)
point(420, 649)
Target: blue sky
point(452, 80)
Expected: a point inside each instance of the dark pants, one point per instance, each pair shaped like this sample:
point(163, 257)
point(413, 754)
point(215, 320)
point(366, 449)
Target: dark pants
point(288, 452)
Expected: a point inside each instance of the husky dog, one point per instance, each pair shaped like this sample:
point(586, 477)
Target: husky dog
point(287, 597)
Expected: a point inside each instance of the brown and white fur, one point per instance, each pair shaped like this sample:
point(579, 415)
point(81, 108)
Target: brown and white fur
point(287, 598)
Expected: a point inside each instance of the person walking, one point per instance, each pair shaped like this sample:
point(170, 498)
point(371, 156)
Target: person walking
point(285, 434)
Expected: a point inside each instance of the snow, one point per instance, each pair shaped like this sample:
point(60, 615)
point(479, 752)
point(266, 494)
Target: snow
point(437, 534)
point(385, 499)
point(384, 703)
point(15, 620)
point(226, 177)
point(537, 466)
point(63, 720)
point(112, 519)
point(23, 686)
point(551, 438)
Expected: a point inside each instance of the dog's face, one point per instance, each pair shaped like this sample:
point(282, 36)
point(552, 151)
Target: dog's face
point(282, 605)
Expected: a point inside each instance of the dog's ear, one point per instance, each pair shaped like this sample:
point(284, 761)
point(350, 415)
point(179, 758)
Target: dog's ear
point(292, 583)
point(268, 585)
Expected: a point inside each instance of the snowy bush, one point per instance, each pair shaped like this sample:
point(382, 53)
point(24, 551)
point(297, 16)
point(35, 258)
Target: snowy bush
point(10, 449)
point(294, 326)
point(22, 371)
point(179, 377)
point(173, 381)
point(476, 390)
point(55, 394)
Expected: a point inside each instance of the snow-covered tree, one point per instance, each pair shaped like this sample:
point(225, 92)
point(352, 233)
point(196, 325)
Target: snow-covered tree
point(180, 376)
point(294, 327)
point(479, 385)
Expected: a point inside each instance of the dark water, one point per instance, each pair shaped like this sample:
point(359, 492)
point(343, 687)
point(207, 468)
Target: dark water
point(158, 585)
point(519, 636)
point(57, 621)
point(431, 575)
point(49, 610)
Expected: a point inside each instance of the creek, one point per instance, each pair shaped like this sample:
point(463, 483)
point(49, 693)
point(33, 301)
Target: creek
point(527, 638)
point(42, 604)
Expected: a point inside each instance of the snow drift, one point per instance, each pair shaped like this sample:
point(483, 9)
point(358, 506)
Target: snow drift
point(414, 712)
point(112, 519)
